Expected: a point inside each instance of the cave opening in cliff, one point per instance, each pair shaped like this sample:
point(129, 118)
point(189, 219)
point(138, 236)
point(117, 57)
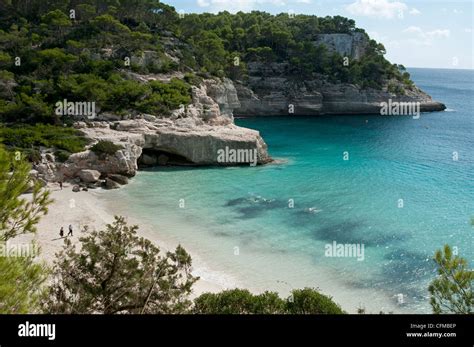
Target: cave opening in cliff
point(162, 157)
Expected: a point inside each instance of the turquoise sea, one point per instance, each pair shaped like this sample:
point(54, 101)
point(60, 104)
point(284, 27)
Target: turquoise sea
point(401, 194)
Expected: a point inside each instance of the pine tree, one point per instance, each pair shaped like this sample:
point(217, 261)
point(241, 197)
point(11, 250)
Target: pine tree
point(117, 272)
point(20, 276)
point(21, 282)
point(452, 291)
point(19, 215)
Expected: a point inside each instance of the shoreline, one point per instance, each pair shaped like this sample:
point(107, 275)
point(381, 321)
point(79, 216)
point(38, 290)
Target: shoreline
point(95, 209)
point(86, 208)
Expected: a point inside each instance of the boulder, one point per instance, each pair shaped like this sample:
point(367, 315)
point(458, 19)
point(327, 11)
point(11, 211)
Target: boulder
point(111, 184)
point(76, 188)
point(89, 176)
point(47, 170)
point(119, 179)
point(123, 162)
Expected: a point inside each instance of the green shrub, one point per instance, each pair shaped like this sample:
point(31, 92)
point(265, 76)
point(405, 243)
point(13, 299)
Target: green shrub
point(192, 79)
point(105, 148)
point(310, 301)
point(396, 89)
point(166, 97)
point(32, 155)
point(238, 301)
point(241, 301)
point(24, 136)
point(62, 155)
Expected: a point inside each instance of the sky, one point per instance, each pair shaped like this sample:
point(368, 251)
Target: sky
point(415, 33)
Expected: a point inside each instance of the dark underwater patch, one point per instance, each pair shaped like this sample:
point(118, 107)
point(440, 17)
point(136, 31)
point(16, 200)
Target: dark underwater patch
point(235, 202)
point(344, 232)
point(253, 207)
point(355, 232)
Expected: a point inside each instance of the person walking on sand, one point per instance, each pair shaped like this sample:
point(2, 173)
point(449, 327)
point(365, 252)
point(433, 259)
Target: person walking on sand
point(70, 230)
point(61, 185)
point(61, 232)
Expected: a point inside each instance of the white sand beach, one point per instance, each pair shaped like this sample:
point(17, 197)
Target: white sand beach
point(94, 210)
point(83, 209)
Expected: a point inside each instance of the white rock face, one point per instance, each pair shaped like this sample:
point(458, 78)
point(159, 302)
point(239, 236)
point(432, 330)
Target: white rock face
point(190, 139)
point(352, 45)
point(279, 94)
point(192, 135)
point(224, 94)
point(47, 171)
point(123, 162)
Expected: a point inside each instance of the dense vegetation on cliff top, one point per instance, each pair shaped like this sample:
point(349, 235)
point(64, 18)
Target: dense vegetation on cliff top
point(77, 50)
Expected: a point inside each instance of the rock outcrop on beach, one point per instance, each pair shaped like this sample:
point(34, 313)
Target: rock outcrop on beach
point(191, 136)
point(182, 142)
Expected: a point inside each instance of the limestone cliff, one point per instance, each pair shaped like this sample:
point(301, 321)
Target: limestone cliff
point(282, 95)
point(272, 90)
point(347, 45)
point(194, 133)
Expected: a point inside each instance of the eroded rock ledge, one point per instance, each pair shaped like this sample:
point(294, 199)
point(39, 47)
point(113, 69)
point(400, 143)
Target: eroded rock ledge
point(183, 140)
point(192, 135)
point(270, 91)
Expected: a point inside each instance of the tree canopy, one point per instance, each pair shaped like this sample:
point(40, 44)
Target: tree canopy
point(115, 271)
point(452, 291)
point(21, 277)
point(56, 49)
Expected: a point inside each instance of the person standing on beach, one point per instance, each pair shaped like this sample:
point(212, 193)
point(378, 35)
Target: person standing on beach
point(70, 230)
point(61, 232)
point(61, 185)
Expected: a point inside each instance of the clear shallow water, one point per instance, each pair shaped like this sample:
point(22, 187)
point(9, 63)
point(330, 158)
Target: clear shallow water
point(239, 221)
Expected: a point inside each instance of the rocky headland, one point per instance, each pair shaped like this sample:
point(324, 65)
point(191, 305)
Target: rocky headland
point(193, 134)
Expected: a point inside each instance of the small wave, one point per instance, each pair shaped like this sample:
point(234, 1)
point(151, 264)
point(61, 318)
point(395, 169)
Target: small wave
point(259, 199)
point(449, 110)
point(313, 210)
point(280, 161)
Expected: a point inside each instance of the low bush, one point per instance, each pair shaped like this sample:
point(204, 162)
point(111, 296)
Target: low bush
point(105, 148)
point(241, 301)
point(22, 137)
